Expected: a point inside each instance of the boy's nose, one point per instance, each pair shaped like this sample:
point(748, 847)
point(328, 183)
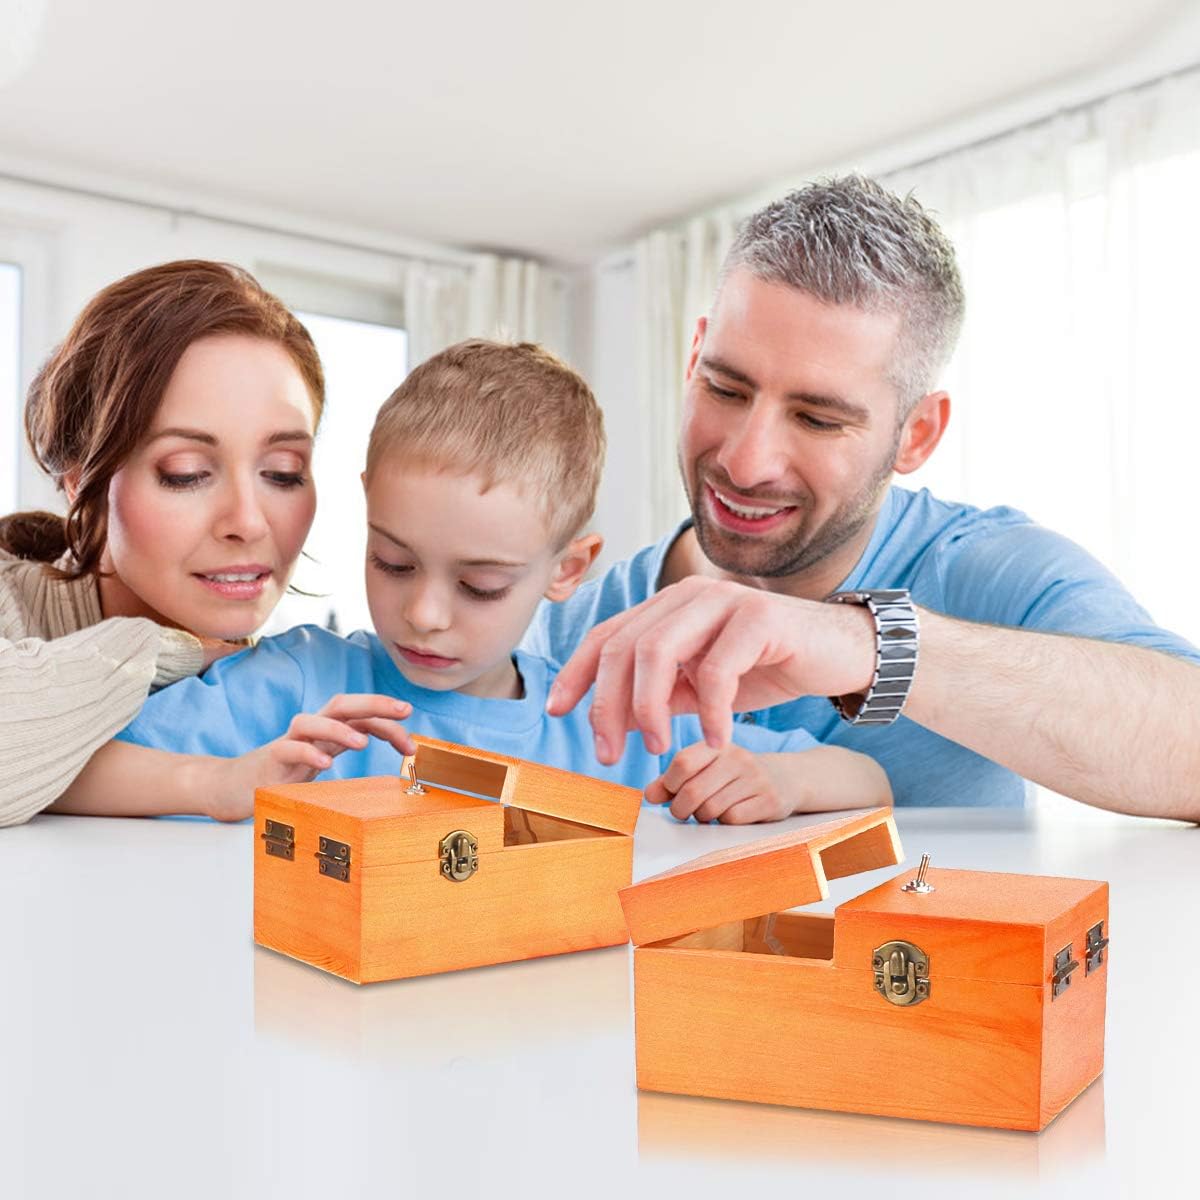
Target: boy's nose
point(427, 610)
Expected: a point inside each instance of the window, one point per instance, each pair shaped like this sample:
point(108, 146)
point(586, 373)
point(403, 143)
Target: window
point(364, 362)
point(10, 383)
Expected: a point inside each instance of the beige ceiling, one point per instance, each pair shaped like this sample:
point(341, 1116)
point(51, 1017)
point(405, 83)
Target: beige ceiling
point(539, 126)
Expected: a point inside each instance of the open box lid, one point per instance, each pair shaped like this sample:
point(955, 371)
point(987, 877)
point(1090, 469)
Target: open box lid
point(760, 877)
point(528, 785)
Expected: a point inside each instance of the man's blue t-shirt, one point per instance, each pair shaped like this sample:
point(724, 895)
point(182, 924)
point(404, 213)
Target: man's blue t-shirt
point(249, 699)
point(995, 566)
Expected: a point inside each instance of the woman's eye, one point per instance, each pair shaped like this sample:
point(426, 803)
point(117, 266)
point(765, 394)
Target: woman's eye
point(484, 593)
point(286, 479)
point(389, 568)
point(181, 482)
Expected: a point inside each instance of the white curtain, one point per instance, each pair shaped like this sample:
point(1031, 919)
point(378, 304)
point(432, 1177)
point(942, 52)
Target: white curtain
point(1074, 384)
point(676, 274)
point(488, 296)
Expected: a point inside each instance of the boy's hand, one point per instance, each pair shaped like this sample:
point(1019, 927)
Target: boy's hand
point(312, 742)
point(731, 785)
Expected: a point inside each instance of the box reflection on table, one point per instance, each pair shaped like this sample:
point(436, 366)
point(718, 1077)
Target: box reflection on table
point(726, 1130)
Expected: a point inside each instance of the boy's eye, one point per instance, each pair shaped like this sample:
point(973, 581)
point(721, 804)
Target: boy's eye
point(483, 593)
point(389, 568)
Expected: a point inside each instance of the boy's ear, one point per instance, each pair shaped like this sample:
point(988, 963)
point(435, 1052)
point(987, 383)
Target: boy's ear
point(573, 565)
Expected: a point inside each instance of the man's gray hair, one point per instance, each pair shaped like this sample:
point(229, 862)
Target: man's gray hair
point(847, 240)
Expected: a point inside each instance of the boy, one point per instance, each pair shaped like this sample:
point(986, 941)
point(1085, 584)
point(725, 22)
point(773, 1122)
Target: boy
point(482, 470)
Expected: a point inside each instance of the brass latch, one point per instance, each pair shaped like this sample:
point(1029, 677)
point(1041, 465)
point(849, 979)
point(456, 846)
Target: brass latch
point(1064, 966)
point(459, 853)
point(1096, 942)
point(901, 973)
point(280, 840)
point(333, 859)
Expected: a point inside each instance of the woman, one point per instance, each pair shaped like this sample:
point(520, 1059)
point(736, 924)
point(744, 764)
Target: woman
point(178, 417)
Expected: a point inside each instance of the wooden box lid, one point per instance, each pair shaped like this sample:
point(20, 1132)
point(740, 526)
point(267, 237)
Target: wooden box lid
point(529, 785)
point(765, 876)
point(381, 822)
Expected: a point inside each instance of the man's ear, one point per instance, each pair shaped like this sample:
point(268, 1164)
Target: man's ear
point(922, 431)
point(573, 565)
point(697, 344)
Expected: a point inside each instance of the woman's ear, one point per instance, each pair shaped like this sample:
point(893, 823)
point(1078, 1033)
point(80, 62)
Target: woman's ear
point(70, 484)
point(573, 564)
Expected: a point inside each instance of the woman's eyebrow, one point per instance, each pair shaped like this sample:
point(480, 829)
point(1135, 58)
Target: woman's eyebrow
point(192, 435)
point(198, 435)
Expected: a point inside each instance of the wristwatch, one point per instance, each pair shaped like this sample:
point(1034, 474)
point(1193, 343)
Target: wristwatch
point(895, 657)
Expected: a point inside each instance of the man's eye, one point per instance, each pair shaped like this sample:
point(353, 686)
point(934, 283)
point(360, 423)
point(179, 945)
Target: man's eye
point(389, 568)
point(724, 393)
point(817, 424)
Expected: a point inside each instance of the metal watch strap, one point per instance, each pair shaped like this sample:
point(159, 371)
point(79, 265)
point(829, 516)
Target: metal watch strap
point(895, 657)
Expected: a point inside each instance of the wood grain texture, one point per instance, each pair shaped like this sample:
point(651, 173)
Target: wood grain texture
point(525, 902)
point(1073, 1024)
point(792, 1031)
point(545, 885)
point(759, 877)
point(783, 1009)
point(974, 925)
point(529, 785)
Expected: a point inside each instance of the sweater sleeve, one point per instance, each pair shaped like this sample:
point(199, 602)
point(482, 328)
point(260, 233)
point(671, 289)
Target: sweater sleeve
point(61, 699)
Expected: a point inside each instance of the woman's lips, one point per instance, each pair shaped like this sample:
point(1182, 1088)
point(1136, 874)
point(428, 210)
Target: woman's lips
point(418, 658)
point(237, 583)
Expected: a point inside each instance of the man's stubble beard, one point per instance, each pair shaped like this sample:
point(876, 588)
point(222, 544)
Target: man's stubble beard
point(802, 551)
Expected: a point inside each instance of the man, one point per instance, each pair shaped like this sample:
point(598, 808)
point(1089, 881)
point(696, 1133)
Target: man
point(810, 383)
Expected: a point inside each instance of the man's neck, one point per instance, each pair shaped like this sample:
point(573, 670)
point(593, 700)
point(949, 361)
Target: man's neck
point(685, 558)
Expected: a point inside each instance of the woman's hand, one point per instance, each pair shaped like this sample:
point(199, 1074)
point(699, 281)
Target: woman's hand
point(311, 743)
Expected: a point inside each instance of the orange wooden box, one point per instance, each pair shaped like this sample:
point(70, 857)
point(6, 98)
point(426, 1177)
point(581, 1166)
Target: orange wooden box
point(997, 982)
point(364, 878)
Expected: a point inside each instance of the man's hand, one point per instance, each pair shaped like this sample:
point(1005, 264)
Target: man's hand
point(312, 742)
point(733, 786)
point(711, 647)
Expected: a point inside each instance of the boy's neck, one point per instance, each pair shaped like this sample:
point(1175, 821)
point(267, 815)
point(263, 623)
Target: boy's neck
point(502, 682)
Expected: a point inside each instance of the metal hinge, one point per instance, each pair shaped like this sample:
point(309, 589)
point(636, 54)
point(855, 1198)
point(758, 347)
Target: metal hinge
point(1096, 943)
point(901, 973)
point(280, 840)
point(333, 859)
point(1064, 966)
point(459, 854)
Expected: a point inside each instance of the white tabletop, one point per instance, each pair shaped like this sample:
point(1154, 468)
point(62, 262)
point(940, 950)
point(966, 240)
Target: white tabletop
point(151, 1050)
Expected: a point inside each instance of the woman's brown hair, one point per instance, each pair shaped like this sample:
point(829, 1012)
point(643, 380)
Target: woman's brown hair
point(96, 397)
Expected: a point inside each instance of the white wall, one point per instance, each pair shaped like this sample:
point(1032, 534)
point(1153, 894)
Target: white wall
point(69, 245)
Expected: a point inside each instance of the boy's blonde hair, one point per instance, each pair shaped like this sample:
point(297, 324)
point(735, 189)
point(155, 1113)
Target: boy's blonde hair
point(507, 413)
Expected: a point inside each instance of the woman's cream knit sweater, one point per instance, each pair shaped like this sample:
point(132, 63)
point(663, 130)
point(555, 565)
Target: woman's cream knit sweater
point(69, 680)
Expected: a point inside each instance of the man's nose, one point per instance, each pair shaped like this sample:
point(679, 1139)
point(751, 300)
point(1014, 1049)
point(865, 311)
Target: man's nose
point(752, 454)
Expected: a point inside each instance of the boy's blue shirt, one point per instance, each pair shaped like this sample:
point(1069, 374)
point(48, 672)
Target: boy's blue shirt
point(993, 566)
point(249, 699)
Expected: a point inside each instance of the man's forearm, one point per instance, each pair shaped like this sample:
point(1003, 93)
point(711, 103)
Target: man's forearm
point(123, 780)
point(1112, 725)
